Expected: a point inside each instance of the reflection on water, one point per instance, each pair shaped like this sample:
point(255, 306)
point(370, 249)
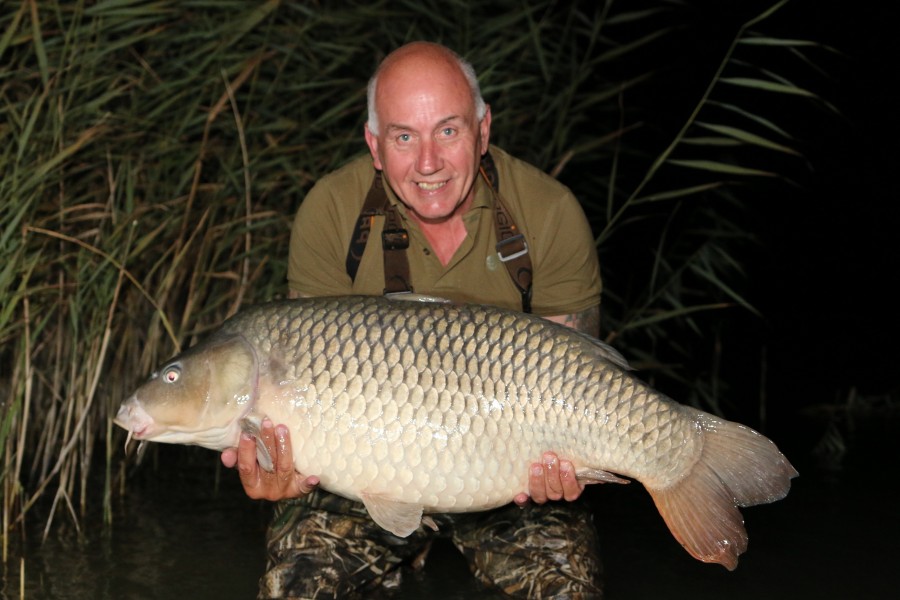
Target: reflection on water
point(834, 537)
point(172, 537)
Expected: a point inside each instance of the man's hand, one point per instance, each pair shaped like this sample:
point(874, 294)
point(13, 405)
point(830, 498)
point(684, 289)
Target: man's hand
point(260, 484)
point(552, 479)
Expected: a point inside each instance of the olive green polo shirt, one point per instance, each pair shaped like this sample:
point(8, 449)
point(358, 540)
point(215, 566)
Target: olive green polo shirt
point(564, 259)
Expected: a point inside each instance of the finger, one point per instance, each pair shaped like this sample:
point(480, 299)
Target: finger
point(267, 437)
point(229, 457)
point(248, 468)
point(572, 488)
point(553, 483)
point(308, 484)
point(536, 484)
point(521, 499)
point(284, 461)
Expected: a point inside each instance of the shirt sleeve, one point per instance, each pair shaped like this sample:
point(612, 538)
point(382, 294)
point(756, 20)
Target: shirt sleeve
point(318, 246)
point(566, 267)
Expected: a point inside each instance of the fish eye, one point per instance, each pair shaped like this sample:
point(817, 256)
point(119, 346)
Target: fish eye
point(171, 374)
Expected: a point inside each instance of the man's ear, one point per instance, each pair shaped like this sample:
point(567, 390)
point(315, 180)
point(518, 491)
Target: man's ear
point(372, 142)
point(484, 129)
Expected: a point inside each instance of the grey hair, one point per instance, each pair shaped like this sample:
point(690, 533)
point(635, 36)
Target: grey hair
point(468, 72)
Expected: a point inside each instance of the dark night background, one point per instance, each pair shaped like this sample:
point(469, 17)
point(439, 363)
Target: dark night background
point(831, 264)
point(825, 267)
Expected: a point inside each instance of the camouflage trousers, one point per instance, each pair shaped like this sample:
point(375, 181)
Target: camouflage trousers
point(325, 546)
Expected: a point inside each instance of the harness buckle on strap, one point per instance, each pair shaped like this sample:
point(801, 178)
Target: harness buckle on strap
point(395, 239)
point(516, 253)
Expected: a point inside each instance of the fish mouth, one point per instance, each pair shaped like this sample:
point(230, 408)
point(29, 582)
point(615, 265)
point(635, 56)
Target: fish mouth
point(137, 434)
point(133, 418)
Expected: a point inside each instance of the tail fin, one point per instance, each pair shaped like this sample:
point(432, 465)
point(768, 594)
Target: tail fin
point(737, 467)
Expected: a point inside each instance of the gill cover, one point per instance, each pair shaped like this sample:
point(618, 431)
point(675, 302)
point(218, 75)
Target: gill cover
point(207, 387)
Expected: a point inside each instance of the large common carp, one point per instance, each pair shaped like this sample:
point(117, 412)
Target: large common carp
point(431, 407)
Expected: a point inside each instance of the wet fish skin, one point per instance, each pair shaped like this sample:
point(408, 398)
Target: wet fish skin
point(415, 408)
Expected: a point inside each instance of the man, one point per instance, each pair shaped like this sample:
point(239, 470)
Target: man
point(437, 217)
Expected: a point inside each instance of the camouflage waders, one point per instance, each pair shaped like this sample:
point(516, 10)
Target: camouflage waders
point(325, 546)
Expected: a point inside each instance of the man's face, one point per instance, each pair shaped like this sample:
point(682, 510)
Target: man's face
point(430, 144)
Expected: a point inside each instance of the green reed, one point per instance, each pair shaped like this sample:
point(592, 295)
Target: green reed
point(153, 154)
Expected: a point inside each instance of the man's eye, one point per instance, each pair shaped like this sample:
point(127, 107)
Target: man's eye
point(448, 131)
point(404, 138)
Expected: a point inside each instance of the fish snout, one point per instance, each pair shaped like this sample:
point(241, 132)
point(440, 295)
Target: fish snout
point(133, 418)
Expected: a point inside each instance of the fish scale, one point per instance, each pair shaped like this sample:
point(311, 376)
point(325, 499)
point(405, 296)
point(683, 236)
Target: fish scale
point(418, 407)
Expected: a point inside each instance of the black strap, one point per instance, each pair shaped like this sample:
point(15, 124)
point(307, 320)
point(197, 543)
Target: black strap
point(371, 207)
point(394, 242)
point(512, 248)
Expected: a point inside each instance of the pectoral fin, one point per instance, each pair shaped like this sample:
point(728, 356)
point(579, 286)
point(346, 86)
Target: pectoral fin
point(598, 476)
point(250, 425)
point(400, 518)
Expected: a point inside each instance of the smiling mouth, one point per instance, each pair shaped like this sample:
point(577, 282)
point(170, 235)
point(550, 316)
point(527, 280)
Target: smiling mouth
point(430, 187)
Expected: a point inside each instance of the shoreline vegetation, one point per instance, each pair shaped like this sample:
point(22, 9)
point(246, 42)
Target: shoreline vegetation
point(152, 155)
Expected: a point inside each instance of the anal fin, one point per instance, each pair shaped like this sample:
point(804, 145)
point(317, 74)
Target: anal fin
point(400, 518)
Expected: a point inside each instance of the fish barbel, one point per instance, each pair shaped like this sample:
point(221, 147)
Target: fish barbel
point(429, 407)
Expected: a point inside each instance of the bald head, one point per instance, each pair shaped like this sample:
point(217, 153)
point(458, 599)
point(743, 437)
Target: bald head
point(423, 60)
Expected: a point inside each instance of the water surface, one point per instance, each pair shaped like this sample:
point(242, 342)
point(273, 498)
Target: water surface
point(175, 536)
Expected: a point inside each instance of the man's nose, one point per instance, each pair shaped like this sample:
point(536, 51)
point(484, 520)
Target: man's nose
point(429, 159)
